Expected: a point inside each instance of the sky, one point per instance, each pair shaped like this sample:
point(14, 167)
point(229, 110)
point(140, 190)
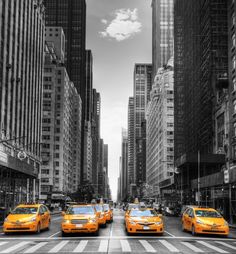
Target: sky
point(119, 35)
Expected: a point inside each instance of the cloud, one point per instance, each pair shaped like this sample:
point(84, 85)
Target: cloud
point(104, 21)
point(123, 26)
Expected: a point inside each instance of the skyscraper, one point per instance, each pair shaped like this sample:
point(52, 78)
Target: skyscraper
point(71, 16)
point(202, 61)
point(142, 88)
point(21, 76)
point(131, 175)
point(124, 165)
point(162, 33)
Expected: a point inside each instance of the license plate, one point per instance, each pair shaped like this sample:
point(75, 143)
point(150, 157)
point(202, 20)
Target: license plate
point(145, 227)
point(79, 225)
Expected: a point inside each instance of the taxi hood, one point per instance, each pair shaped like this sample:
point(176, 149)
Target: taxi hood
point(146, 219)
point(79, 216)
point(211, 221)
point(20, 217)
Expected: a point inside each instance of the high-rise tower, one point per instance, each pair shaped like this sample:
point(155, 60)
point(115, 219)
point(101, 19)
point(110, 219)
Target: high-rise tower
point(162, 33)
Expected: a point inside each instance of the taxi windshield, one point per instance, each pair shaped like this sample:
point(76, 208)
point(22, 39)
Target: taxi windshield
point(80, 210)
point(25, 210)
point(106, 207)
point(140, 213)
point(99, 208)
point(209, 214)
point(133, 206)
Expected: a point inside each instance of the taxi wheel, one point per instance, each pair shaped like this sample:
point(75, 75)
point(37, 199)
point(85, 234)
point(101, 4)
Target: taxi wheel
point(49, 224)
point(96, 233)
point(193, 231)
point(38, 229)
point(63, 233)
point(104, 225)
point(183, 228)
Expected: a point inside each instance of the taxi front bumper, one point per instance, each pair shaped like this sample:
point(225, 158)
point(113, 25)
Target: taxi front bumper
point(209, 229)
point(19, 227)
point(77, 228)
point(139, 228)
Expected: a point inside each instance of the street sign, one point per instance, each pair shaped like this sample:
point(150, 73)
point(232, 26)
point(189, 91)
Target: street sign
point(21, 155)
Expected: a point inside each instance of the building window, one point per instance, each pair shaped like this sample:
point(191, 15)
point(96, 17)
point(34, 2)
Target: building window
point(234, 105)
point(234, 84)
point(234, 131)
point(234, 62)
point(233, 40)
point(234, 151)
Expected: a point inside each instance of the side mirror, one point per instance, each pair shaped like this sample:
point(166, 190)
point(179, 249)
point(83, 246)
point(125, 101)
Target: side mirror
point(63, 213)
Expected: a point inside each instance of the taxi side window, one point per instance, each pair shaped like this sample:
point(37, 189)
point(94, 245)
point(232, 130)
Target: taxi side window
point(190, 213)
point(41, 210)
point(187, 211)
point(44, 209)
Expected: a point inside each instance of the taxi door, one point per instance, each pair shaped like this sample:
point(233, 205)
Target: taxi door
point(47, 216)
point(188, 219)
point(43, 217)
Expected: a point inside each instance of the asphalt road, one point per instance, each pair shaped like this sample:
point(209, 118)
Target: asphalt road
point(113, 239)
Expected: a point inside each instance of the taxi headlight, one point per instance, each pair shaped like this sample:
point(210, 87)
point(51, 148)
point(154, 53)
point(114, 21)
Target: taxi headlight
point(158, 222)
point(226, 223)
point(132, 222)
point(32, 219)
point(66, 221)
point(101, 215)
point(199, 221)
point(92, 220)
point(6, 220)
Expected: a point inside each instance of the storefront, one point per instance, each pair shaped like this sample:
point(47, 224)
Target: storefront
point(18, 181)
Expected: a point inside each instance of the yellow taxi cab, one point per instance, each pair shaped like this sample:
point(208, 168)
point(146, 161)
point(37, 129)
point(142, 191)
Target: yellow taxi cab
point(204, 221)
point(80, 219)
point(27, 218)
point(102, 221)
point(144, 220)
point(129, 207)
point(108, 213)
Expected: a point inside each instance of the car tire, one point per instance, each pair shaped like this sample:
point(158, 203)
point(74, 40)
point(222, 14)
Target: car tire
point(38, 229)
point(183, 228)
point(104, 225)
point(193, 231)
point(63, 234)
point(48, 227)
point(96, 233)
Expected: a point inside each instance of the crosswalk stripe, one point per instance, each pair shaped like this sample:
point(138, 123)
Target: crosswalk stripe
point(147, 246)
point(227, 245)
point(192, 247)
point(212, 247)
point(81, 246)
point(169, 246)
point(2, 243)
point(58, 247)
point(103, 246)
point(125, 246)
point(35, 247)
point(15, 247)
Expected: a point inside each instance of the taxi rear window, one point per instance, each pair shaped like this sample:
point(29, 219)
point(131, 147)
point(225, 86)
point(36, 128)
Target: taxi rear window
point(80, 210)
point(25, 210)
point(208, 214)
point(139, 213)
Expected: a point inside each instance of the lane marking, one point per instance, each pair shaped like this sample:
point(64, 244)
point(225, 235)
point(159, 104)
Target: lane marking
point(36, 247)
point(192, 247)
point(125, 246)
point(59, 218)
point(147, 246)
point(2, 243)
point(169, 246)
point(81, 246)
point(103, 246)
point(58, 247)
point(54, 234)
point(15, 247)
point(212, 247)
point(169, 233)
point(227, 245)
